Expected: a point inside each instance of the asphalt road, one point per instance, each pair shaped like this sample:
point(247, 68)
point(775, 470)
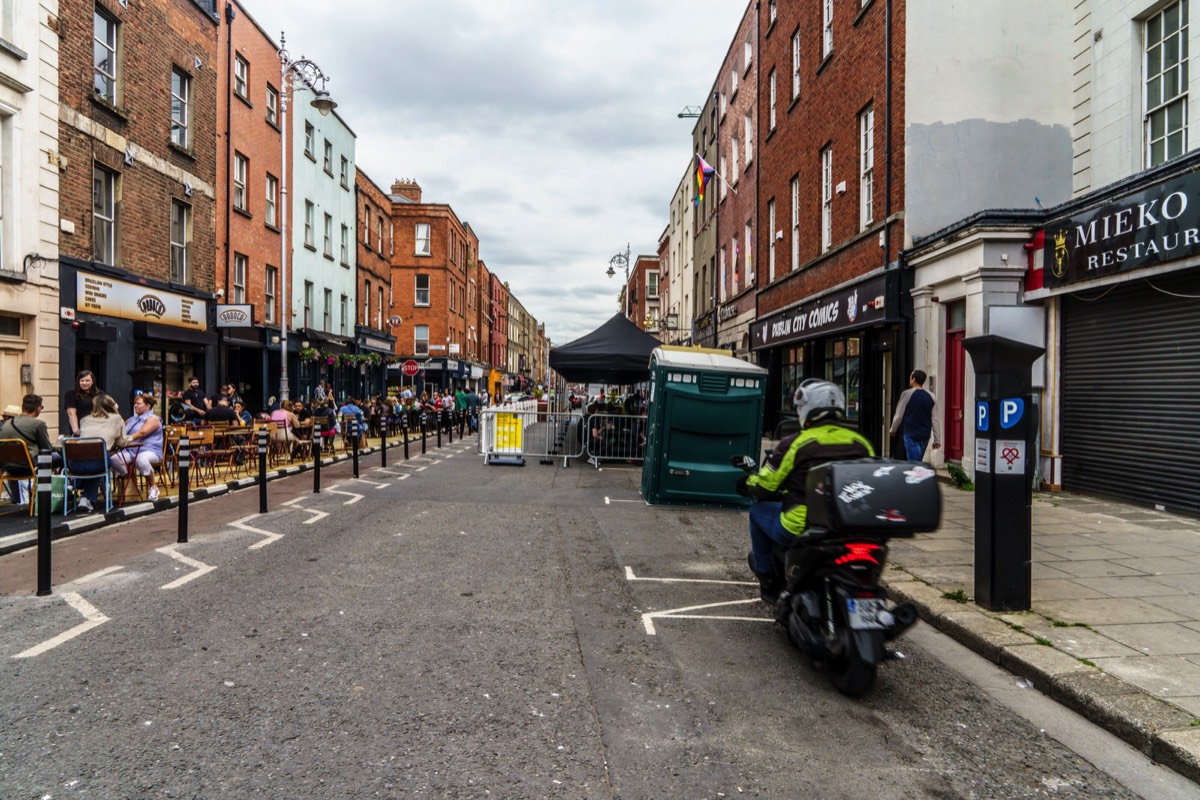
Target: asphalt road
point(450, 629)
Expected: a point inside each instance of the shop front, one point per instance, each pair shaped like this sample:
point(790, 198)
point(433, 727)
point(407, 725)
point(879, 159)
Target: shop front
point(137, 335)
point(242, 355)
point(325, 357)
point(374, 351)
point(1121, 277)
point(848, 337)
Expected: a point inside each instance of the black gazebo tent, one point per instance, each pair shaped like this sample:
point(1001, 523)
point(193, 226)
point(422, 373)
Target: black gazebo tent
point(618, 352)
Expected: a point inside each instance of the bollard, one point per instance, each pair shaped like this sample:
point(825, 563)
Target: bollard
point(437, 423)
point(318, 429)
point(422, 433)
point(43, 514)
point(354, 443)
point(404, 432)
point(383, 445)
point(262, 471)
point(185, 463)
point(450, 425)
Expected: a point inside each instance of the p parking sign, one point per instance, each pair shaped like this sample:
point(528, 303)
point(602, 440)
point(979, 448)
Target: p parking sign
point(981, 416)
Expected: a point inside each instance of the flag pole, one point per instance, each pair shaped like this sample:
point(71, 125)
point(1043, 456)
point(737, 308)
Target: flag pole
point(717, 172)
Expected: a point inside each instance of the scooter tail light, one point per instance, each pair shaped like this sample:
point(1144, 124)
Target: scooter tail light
point(858, 552)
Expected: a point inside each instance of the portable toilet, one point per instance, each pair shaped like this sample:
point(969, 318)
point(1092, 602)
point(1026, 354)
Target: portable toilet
point(705, 406)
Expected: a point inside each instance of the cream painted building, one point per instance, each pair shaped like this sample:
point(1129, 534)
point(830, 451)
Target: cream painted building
point(29, 219)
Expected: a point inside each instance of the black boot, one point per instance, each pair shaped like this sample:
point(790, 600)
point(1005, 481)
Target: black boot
point(769, 584)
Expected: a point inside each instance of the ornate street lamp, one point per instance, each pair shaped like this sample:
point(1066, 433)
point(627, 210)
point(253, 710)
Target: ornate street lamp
point(312, 75)
point(621, 260)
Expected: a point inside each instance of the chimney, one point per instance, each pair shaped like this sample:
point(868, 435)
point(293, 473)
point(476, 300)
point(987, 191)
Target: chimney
point(407, 188)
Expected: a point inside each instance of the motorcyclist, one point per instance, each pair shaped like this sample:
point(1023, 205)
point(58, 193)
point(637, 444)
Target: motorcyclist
point(779, 513)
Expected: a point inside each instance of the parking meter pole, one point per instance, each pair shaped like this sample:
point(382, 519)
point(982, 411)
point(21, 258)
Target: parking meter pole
point(1006, 427)
point(262, 471)
point(354, 444)
point(43, 525)
point(185, 468)
point(318, 429)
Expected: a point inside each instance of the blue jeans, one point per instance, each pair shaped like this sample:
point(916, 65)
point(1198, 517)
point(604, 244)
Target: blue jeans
point(915, 448)
point(765, 531)
point(89, 487)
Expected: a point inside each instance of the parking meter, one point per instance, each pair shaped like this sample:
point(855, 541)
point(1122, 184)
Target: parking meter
point(1006, 426)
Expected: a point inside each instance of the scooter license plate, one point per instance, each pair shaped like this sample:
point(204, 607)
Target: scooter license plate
point(863, 613)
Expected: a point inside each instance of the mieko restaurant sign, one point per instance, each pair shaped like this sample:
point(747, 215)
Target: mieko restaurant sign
point(1155, 226)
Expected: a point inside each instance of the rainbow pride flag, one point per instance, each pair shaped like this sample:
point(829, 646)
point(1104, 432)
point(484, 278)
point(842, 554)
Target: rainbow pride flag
point(704, 173)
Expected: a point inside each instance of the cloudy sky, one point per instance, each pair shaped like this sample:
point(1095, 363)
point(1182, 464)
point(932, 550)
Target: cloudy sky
point(549, 125)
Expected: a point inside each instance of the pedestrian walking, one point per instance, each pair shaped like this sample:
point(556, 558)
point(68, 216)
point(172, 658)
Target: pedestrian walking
point(914, 418)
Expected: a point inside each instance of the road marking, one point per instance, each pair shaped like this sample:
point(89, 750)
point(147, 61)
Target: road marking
point(677, 613)
point(610, 501)
point(93, 576)
point(354, 498)
point(92, 616)
point(200, 567)
point(376, 484)
point(317, 515)
point(629, 576)
point(270, 537)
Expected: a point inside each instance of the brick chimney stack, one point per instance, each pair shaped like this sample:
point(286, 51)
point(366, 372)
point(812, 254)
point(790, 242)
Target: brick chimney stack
point(407, 188)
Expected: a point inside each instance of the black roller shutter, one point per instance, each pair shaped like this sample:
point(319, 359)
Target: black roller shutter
point(1131, 392)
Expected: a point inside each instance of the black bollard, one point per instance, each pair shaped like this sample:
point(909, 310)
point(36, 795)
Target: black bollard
point(450, 425)
point(404, 433)
point(437, 423)
point(185, 463)
point(422, 433)
point(383, 445)
point(262, 471)
point(354, 443)
point(316, 447)
point(43, 513)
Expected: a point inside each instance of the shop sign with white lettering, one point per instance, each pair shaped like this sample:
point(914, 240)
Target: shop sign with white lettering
point(98, 294)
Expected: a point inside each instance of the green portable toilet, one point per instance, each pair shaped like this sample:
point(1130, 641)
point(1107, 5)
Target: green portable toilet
point(705, 406)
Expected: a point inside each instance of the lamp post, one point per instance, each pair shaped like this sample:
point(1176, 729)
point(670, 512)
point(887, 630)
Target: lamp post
point(311, 74)
point(621, 260)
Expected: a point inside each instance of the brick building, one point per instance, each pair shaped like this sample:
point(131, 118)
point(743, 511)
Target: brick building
point(377, 318)
point(499, 346)
point(137, 191)
point(248, 223)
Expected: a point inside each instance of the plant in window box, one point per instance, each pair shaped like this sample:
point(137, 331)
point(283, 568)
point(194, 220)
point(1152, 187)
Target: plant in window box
point(310, 354)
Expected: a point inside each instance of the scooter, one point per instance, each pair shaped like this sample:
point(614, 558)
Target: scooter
point(832, 606)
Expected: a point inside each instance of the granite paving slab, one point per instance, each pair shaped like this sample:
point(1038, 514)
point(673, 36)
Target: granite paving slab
point(1112, 611)
point(1062, 590)
point(1129, 587)
point(1081, 642)
point(1155, 639)
point(1168, 677)
point(1098, 569)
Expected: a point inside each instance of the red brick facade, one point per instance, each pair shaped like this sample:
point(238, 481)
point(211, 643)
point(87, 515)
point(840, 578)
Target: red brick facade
point(374, 236)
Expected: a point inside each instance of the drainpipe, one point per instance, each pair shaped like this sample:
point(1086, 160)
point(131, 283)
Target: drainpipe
point(229, 16)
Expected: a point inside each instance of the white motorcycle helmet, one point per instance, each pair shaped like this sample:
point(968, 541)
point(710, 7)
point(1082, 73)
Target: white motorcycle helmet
point(818, 400)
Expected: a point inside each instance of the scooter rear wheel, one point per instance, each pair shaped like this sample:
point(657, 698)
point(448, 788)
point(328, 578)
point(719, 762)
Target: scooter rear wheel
point(852, 675)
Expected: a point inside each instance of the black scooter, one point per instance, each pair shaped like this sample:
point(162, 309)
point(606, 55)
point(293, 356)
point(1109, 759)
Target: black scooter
point(832, 605)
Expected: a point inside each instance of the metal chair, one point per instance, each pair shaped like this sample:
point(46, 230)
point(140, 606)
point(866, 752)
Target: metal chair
point(16, 464)
point(77, 454)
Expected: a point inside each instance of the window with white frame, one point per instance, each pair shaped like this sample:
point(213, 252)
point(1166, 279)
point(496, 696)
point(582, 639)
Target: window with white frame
point(269, 291)
point(733, 157)
point(770, 240)
point(826, 27)
point(239, 278)
point(4, 188)
point(747, 259)
point(721, 274)
point(345, 314)
point(421, 340)
point(308, 304)
point(866, 167)
point(379, 308)
point(272, 194)
point(366, 309)
point(734, 266)
point(379, 234)
point(826, 198)
point(345, 173)
point(748, 126)
point(724, 104)
point(328, 236)
point(724, 171)
point(104, 215)
point(771, 90)
point(104, 61)
point(422, 233)
point(795, 65)
point(772, 13)
point(345, 248)
point(651, 285)
point(422, 291)
point(241, 77)
point(327, 315)
point(272, 105)
point(181, 93)
point(310, 222)
point(328, 161)
point(310, 141)
point(367, 225)
point(747, 53)
point(181, 243)
point(733, 81)
point(241, 168)
point(795, 223)
point(1166, 91)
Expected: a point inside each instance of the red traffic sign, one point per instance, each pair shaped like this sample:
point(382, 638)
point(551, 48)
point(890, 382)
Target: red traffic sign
point(410, 368)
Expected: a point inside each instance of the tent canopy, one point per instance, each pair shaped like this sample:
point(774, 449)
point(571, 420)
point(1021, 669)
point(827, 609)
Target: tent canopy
point(616, 352)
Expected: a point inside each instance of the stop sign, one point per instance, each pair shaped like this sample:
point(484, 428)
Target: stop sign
point(410, 368)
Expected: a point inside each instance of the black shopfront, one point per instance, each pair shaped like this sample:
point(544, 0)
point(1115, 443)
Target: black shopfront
point(137, 335)
point(849, 337)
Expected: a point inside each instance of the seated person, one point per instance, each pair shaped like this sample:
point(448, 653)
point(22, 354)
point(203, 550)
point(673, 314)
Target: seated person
point(223, 412)
point(103, 423)
point(144, 447)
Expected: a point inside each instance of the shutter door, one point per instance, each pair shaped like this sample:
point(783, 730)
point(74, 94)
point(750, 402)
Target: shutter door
point(1131, 392)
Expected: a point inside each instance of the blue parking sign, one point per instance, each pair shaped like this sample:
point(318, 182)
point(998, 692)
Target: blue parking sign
point(981, 416)
point(1011, 411)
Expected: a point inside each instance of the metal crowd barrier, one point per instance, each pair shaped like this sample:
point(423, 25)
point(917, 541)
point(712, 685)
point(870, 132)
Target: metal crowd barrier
point(508, 434)
point(615, 437)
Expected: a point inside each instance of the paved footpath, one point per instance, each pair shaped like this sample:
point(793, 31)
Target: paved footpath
point(1114, 630)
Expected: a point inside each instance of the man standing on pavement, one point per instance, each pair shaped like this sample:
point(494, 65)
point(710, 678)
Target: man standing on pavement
point(914, 418)
point(195, 401)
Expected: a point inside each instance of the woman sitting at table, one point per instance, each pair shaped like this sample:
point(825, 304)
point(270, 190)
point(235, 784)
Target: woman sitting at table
point(144, 445)
point(285, 423)
point(245, 418)
point(104, 422)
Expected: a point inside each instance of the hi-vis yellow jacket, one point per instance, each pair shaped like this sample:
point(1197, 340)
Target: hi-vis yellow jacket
point(787, 467)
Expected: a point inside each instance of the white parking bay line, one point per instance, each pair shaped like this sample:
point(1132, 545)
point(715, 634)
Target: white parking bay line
point(677, 613)
point(92, 616)
point(629, 576)
point(200, 567)
point(317, 516)
point(354, 498)
point(270, 537)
